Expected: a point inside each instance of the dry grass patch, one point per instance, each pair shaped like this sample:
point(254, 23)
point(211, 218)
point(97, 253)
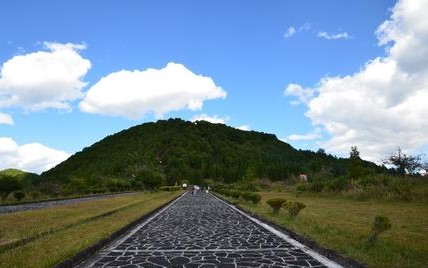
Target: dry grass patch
point(69, 229)
point(345, 225)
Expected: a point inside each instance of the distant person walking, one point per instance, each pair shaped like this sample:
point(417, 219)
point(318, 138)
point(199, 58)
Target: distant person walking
point(195, 189)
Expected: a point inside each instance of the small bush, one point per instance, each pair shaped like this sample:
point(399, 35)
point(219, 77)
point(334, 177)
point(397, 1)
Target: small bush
point(235, 194)
point(380, 225)
point(249, 186)
point(35, 194)
point(241, 200)
point(251, 197)
point(316, 186)
point(293, 208)
point(19, 195)
point(338, 184)
point(275, 204)
point(247, 196)
point(302, 187)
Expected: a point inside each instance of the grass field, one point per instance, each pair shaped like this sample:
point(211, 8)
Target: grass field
point(344, 225)
point(45, 237)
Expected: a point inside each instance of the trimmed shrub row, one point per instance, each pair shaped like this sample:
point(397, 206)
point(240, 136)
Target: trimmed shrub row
point(247, 196)
point(170, 188)
point(293, 208)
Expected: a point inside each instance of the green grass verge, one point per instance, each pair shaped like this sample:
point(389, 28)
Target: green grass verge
point(344, 225)
point(45, 237)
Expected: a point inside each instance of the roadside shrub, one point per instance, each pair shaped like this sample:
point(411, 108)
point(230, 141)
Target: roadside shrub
point(19, 195)
point(170, 188)
point(8, 184)
point(275, 204)
point(380, 225)
point(235, 194)
point(316, 186)
point(338, 184)
point(241, 200)
point(384, 187)
point(35, 194)
point(249, 186)
point(252, 197)
point(302, 187)
point(247, 196)
point(293, 208)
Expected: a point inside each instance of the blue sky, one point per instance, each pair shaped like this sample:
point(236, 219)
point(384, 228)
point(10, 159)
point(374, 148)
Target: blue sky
point(74, 72)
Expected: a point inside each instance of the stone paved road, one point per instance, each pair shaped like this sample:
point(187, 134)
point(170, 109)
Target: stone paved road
point(54, 203)
point(202, 231)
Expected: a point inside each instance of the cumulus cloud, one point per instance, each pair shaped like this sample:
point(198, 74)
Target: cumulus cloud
point(303, 94)
point(133, 94)
point(384, 104)
point(212, 119)
point(51, 78)
point(32, 157)
point(330, 36)
point(6, 119)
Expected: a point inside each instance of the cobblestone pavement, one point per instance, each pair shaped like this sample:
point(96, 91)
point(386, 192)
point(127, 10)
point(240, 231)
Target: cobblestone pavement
point(202, 231)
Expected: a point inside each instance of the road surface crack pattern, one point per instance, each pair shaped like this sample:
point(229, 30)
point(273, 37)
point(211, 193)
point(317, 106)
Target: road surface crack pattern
point(201, 231)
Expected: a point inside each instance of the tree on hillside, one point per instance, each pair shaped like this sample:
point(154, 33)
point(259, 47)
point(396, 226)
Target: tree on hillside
point(321, 151)
point(354, 154)
point(355, 166)
point(8, 184)
point(403, 162)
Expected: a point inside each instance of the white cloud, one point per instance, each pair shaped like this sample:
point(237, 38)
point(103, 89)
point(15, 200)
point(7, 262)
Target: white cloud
point(383, 105)
point(44, 79)
point(32, 157)
point(291, 31)
point(133, 94)
point(305, 137)
point(6, 119)
point(405, 36)
point(330, 36)
point(303, 94)
point(244, 128)
point(212, 119)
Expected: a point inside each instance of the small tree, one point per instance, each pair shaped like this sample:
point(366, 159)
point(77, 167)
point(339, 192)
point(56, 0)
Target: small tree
point(151, 179)
point(8, 184)
point(355, 166)
point(275, 204)
point(380, 225)
point(321, 151)
point(354, 154)
point(404, 162)
point(19, 195)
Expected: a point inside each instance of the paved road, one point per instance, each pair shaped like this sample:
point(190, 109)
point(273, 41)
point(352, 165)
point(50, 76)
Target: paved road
point(53, 203)
point(202, 231)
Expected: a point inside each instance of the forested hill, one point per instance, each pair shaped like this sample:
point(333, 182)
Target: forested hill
point(176, 150)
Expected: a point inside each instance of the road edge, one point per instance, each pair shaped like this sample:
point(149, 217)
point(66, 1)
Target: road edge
point(87, 253)
point(309, 243)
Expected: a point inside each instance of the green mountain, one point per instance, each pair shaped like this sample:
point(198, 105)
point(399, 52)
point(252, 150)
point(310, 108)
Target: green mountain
point(26, 177)
point(13, 172)
point(170, 151)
